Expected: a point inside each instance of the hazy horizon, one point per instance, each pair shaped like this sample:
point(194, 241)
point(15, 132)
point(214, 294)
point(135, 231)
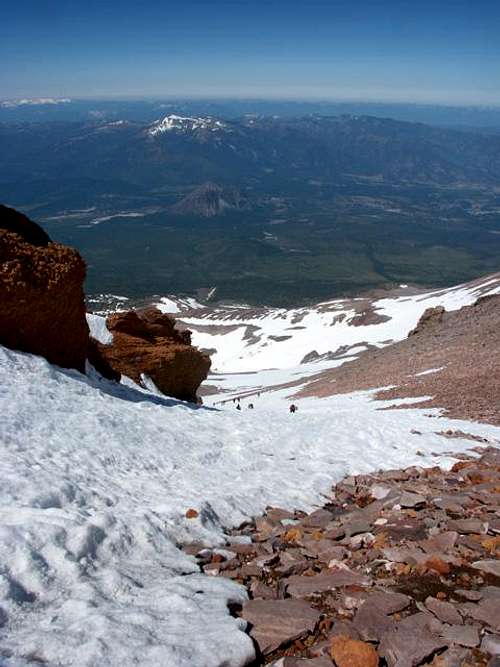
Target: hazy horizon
point(373, 51)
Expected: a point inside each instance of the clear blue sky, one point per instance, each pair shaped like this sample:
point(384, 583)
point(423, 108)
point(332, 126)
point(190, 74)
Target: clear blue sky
point(444, 51)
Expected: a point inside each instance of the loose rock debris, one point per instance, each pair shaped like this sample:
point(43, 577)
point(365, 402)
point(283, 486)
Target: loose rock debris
point(401, 568)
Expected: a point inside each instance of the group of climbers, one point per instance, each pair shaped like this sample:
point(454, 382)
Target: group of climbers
point(237, 401)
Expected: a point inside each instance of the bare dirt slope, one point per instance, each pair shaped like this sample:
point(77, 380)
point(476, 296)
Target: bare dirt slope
point(461, 348)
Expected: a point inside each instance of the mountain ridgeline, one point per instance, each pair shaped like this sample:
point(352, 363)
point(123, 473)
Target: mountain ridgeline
point(185, 150)
point(261, 208)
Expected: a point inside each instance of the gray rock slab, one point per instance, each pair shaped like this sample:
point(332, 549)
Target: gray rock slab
point(404, 647)
point(300, 586)
point(277, 622)
point(464, 635)
point(321, 661)
point(317, 519)
point(261, 590)
point(486, 611)
point(468, 526)
point(441, 542)
point(491, 644)
point(488, 566)
point(445, 611)
point(411, 500)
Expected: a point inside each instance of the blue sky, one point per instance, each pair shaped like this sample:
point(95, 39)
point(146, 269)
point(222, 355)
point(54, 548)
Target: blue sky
point(419, 51)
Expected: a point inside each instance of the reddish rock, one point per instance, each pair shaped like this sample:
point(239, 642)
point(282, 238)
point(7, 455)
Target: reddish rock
point(96, 357)
point(438, 565)
point(41, 283)
point(14, 221)
point(191, 514)
point(349, 652)
point(146, 343)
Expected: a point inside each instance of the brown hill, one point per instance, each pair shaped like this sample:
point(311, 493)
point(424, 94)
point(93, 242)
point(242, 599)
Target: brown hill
point(209, 200)
point(454, 357)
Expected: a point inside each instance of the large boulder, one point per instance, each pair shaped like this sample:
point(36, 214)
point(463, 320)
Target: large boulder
point(146, 343)
point(41, 285)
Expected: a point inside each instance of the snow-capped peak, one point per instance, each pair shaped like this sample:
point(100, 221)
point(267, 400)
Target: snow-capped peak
point(173, 122)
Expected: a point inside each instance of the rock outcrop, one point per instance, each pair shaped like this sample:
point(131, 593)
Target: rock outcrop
point(431, 318)
point(147, 344)
point(41, 285)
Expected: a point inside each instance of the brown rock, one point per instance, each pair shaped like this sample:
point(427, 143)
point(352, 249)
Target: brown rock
point(14, 221)
point(349, 652)
point(261, 590)
point(438, 565)
point(99, 361)
point(146, 343)
point(441, 542)
point(291, 561)
point(191, 514)
point(431, 318)
point(41, 283)
point(318, 519)
point(277, 622)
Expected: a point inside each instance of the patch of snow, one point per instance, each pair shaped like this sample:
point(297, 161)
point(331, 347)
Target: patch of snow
point(429, 371)
point(98, 329)
point(244, 337)
point(121, 214)
point(174, 305)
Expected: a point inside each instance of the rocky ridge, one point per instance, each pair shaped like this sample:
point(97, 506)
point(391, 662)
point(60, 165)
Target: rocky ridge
point(147, 343)
point(452, 357)
point(43, 308)
point(400, 568)
point(43, 312)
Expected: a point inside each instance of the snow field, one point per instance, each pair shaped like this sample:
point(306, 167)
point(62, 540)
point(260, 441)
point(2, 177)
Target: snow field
point(323, 328)
point(96, 480)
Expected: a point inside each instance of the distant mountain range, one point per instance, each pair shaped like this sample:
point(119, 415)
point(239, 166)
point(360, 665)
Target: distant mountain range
point(251, 151)
point(280, 210)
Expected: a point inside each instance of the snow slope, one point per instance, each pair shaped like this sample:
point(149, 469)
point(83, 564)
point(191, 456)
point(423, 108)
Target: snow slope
point(248, 339)
point(96, 480)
